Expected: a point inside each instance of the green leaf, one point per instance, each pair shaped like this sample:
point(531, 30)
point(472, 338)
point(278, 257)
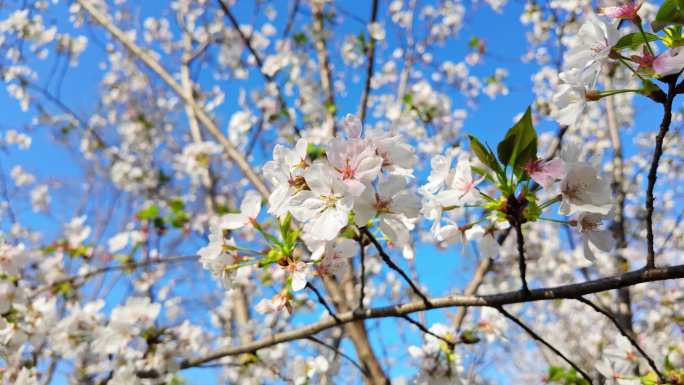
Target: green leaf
point(485, 155)
point(650, 379)
point(520, 143)
point(176, 205)
point(148, 213)
point(469, 337)
point(670, 12)
point(314, 152)
point(634, 40)
point(555, 374)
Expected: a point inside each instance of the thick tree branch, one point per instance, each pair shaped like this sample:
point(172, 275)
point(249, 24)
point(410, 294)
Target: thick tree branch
point(202, 115)
point(537, 337)
point(570, 291)
point(653, 172)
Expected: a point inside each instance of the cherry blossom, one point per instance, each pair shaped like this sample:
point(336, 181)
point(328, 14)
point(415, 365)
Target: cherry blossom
point(325, 207)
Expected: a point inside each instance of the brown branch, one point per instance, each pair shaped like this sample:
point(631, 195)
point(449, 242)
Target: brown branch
point(626, 334)
point(363, 370)
point(618, 187)
point(474, 284)
point(370, 52)
point(246, 40)
point(202, 115)
point(322, 300)
point(362, 291)
point(103, 270)
point(386, 258)
point(324, 65)
point(522, 265)
point(653, 173)
point(570, 291)
point(425, 330)
point(537, 337)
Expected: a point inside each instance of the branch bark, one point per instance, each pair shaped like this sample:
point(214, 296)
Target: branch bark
point(571, 291)
point(653, 173)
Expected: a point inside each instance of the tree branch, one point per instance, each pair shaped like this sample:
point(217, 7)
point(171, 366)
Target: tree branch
point(570, 291)
point(386, 258)
point(363, 370)
point(370, 52)
point(522, 265)
point(202, 115)
point(544, 342)
point(653, 173)
point(627, 335)
point(322, 300)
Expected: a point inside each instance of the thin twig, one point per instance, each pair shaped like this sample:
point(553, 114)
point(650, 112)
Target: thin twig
point(73, 280)
point(370, 52)
point(363, 370)
point(653, 173)
point(362, 292)
point(386, 258)
point(627, 335)
point(425, 330)
point(202, 114)
point(322, 301)
point(246, 40)
point(543, 341)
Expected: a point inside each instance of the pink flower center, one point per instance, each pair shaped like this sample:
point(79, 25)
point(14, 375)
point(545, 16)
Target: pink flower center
point(348, 172)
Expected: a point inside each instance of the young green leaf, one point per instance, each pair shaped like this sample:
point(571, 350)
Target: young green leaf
point(484, 154)
point(634, 40)
point(520, 143)
point(670, 12)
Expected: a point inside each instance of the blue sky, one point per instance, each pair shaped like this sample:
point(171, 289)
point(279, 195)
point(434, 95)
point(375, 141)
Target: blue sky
point(505, 38)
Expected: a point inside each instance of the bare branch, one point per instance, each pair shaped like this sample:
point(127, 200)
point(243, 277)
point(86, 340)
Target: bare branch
point(474, 284)
point(627, 335)
point(551, 293)
point(653, 172)
point(544, 342)
point(363, 370)
point(322, 300)
point(370, 53)
point(202, 115)
point(386, 258)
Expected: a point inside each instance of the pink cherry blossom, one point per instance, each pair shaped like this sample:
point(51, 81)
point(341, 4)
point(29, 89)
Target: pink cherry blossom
point(545, 172)
point(626, 11)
